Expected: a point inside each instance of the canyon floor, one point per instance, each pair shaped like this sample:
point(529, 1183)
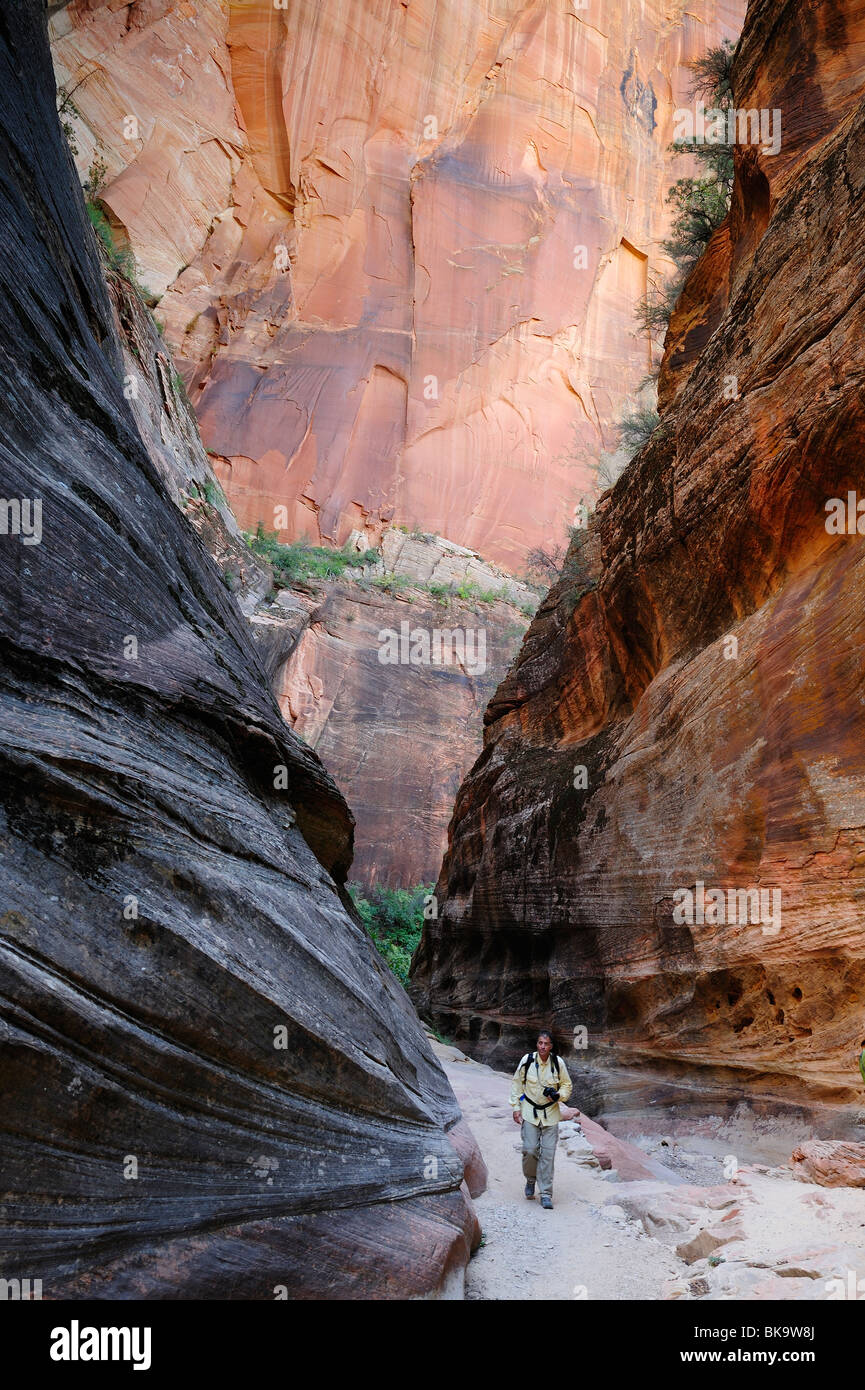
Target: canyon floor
point(654, 1218)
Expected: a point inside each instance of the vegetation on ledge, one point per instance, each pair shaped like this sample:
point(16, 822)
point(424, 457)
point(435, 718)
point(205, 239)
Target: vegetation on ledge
point(393, 919)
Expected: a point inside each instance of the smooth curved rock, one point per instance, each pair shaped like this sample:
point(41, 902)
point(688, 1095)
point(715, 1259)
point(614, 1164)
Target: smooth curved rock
point(210, 1083)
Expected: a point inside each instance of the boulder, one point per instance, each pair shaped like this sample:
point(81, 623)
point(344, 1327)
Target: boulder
point(830, 1163)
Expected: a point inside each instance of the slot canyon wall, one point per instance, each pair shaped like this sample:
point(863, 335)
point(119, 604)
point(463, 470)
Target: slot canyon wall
point(210, 1084)
point(733, 764)
point(363, 221)
point(364, 218)
point(397, 738)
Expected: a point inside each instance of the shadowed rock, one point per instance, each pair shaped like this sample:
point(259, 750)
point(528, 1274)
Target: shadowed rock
point(210, 1085)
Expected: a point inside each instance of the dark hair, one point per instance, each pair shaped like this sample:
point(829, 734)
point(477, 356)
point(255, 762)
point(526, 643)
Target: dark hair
point(542, 1033)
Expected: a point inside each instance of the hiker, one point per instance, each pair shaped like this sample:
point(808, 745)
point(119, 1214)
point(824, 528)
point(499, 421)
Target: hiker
point(540, 1081)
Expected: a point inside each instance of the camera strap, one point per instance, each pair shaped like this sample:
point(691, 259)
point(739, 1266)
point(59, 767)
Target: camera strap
point(536, 1106)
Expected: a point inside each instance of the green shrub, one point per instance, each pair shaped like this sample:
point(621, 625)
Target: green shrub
point(700, 207)
point(392, 583)
point(95, 181)
point(465, 590)
point(700, 204)
point(637, 426)
point(65, 109)
point(120, 260)
point(654, 310)
point(101, 226)
point(302, 563)
point(544, 564)
point(393, 919)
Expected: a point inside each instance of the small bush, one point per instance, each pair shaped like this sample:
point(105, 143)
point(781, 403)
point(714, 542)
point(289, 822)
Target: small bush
point(637, 426)
point(121, 261)
point(66, 108)
point(654, 310)
point(700, 204)
point(393, 918)
point(180, 388)
point(544, 563)
point(95, 181)
point(700, 207)
point(392, 583)
point(610, 468)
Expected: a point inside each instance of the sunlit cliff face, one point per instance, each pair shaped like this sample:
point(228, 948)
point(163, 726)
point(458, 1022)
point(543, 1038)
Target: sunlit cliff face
point(401, 244)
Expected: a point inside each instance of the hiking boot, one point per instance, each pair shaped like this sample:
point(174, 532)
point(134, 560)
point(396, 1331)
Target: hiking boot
point(530, 1188)
point(547, 1203)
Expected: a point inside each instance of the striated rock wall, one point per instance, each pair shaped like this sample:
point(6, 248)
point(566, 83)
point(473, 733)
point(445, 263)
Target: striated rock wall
point(397, 737)
point(400, 244)
point(707, 677)
point(210, 1085)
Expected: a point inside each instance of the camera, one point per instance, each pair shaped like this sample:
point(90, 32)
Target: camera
point(551, 1093)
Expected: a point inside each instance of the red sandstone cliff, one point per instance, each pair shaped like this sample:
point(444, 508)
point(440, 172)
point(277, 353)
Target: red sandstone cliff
point(397, 738)
point(732, 764)
point(363, 220)
point(367, 222)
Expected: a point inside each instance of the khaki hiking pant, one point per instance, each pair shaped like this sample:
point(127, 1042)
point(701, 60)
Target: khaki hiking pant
point(539, 1154)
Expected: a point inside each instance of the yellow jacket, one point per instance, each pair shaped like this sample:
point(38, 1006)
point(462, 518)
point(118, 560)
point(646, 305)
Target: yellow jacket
point(540, 1074)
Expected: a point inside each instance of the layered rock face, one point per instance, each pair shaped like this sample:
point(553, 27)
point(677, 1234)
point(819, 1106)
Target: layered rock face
point(210, 1086)
point(400, 244)
point(398, 735)
point(689, 716)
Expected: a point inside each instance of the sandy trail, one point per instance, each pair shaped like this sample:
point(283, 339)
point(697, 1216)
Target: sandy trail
point(614, 1235)
point(574, 1251)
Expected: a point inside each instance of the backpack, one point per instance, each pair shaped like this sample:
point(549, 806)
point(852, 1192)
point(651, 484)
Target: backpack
point(554, 1062)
